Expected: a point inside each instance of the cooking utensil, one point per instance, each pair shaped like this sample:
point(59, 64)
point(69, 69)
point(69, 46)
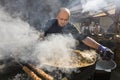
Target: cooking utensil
point(105, 65)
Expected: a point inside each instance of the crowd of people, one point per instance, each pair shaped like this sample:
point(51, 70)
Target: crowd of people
point(89, 30)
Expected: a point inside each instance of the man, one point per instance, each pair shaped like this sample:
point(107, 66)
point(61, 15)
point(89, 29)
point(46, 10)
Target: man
point(85, 29)
point(97, 29)
point(61, 25)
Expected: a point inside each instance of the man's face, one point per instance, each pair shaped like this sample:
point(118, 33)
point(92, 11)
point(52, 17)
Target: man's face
point(62, 18)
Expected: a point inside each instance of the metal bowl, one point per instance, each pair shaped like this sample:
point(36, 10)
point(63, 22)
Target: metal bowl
point(105, 65)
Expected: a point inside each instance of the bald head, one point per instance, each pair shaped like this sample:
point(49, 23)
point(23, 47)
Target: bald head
point(64, 10)
point(63, 16)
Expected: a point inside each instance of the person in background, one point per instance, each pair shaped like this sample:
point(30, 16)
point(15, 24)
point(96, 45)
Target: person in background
point(85, 29)
point(61, 25)
point(97, 29)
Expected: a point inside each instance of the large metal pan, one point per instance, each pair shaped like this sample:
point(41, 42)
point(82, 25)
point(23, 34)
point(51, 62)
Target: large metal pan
point(79, 72)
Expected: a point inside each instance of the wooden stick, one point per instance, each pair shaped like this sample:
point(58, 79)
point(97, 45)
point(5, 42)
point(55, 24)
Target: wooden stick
point(41, 72)
point(31, 73)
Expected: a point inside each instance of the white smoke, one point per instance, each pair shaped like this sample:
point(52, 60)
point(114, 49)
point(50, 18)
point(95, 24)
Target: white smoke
point(35, 12)
point(15, 35)
point(94, 5)
point(19, 40)
point(55, 48)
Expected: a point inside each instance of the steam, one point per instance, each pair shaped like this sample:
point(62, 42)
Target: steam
point(15, 35)
point(35, 12)
point(91, 5)
point(117, 3)
point(94, 5)
point(54, 48)
point(19, 40)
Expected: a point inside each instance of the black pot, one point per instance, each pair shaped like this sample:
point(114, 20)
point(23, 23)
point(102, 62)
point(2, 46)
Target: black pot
point(11, 68)
point(79, 73)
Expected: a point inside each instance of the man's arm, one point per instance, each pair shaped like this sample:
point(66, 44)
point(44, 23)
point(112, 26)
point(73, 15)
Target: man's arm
point(105, 52)
point(91, 42)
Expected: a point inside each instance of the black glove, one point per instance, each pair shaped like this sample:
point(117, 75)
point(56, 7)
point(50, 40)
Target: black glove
point(105, 53)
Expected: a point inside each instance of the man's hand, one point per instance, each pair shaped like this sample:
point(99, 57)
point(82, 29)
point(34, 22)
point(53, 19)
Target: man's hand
point(106, 53)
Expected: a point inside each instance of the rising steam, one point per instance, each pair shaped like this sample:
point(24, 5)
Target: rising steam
point(55, 47)
point(15, 35)
point(19, 40)
point(94, 5)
